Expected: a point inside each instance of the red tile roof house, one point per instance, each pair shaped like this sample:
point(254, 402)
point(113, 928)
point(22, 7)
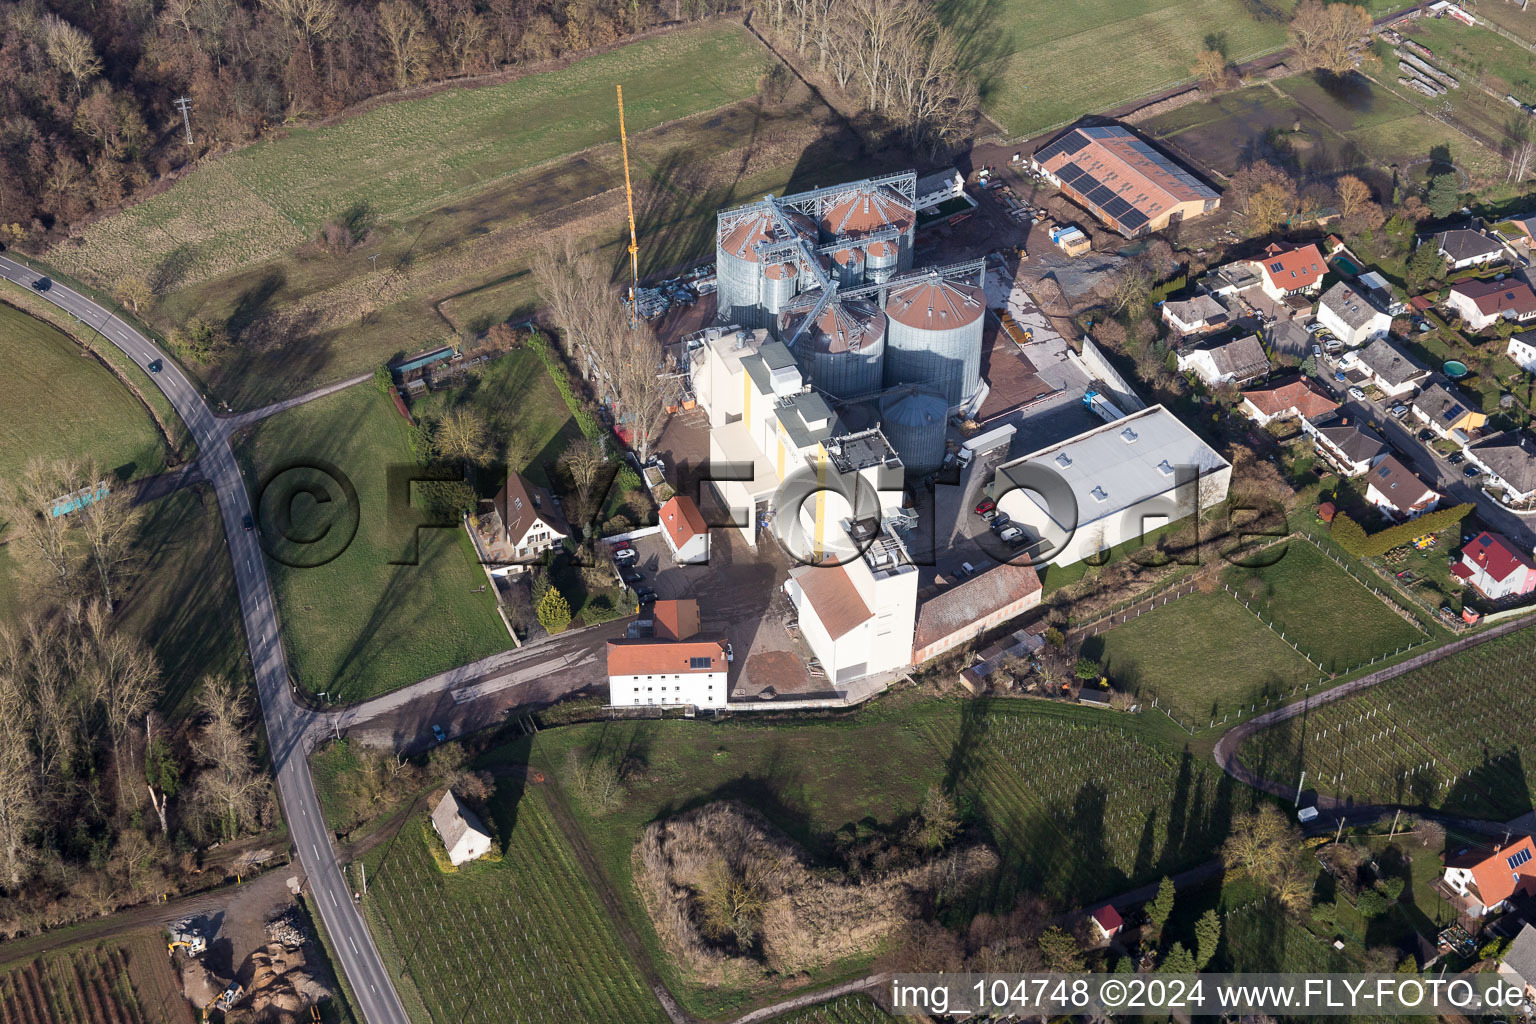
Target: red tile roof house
point(1482, 303)
point(1393, 488)
point(1299, 399)
point(1495, 567)
point(684, 531)
point(1286, 272)
point(1107, 922)
point(1487, 880)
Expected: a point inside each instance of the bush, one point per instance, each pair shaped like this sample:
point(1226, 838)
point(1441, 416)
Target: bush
point(437, 850)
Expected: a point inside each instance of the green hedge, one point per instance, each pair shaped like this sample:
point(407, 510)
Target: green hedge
point(591, 429)
point(1353, 538)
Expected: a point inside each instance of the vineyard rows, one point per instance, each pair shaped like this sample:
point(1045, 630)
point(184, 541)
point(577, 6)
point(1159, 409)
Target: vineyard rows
point(1447, 735)
point(516, 942)
point(82, 986)
point(842, 1010)
point(1048, 785)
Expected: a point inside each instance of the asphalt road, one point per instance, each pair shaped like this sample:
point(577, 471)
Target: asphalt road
point(290, 727)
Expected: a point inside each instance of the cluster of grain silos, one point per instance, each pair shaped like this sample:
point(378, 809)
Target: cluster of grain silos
point(746, 288)
point(841, 353)
point(934, 336)
point(865, 210)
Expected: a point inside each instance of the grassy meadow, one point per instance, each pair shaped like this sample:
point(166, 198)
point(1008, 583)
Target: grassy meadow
point(1332, 616)
point(1030, 778)
point(454, 193)
point(1201, 656)
point(358, 624)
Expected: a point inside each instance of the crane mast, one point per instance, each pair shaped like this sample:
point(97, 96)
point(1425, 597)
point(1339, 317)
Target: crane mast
point(634, 246)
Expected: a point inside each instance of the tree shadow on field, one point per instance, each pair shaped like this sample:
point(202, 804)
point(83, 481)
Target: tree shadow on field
point(171, 270)
point(255, 300)
point(984, 42)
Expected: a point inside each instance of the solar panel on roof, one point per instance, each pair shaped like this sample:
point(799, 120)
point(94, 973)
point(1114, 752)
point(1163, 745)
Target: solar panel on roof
point(1068, 144)
point(1100, 195)
point(1086, 183)
point(1117, 208)
point(1069, 173)
point(1133, 220)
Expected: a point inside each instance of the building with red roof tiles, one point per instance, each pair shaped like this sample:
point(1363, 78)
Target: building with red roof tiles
point(1107, 922)
point(1125, 181)
point(1498, 569)
point(1298, 399)
point(1489, 879)
point(1291, 270)
point(654, 672)
point(684, 530)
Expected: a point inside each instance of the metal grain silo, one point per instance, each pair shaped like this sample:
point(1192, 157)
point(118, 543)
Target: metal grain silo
point(739, 274)
point(779, 282)
point(882, 260)
point(848, 267)
point(862, 211)
point(934, 338)
point(914, 422)
point(841, 352)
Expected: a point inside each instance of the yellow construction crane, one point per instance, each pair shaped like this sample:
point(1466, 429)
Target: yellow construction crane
point(634, 246)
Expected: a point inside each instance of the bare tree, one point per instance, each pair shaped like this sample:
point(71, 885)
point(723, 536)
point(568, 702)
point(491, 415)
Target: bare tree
point(1352, 195)
point(20, 810)
point(406, 36)
point(646, 385)
point(127, 678)
point(467, 40)
point(584, 460)
point(462, 436)
point(41, 538)
point(1210, 68)
point(70, 50)
point(1329, 36)
point(574, 285)
point(310, 21)
point(1520, 134)
point(108, 526)
point(228, 784)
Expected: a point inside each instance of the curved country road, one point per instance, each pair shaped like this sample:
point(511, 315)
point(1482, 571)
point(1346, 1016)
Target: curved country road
point(1227, 747)
point(289, 725)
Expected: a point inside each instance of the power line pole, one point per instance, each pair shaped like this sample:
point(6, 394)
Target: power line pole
point(183, 104)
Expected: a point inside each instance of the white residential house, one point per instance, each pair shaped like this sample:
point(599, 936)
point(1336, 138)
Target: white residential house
point(1351, 318)
point(1496, 567)
point(1298, 399)
point(1231, 362)
point(656, 672)
point(1196, 315)
point(683, 528)
point(1126, 478)
point(530, 525)
point(1483, 303)
point(1488, 879)
point(1522, 350)
point(1509, 459)
point(460, 829)
point(1463, 247)
point(1348, 447)
point(1388, 368)
point(1393, 488)
point(1292, 270)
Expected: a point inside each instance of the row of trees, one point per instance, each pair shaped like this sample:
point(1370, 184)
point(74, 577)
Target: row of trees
point(87, 90)
point(894, 55)
point(81, 747)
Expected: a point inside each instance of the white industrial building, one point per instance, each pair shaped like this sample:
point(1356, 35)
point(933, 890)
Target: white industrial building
point(858, 617)
point(1127, 478)
point(1351, 317)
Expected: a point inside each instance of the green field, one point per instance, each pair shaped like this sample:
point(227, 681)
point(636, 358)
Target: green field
point(1454, 735)
point(1033, 778)
point(458, 189)
point(61, 403)
point(1044, 64)
point(358, 625)
point(522, 940)
point(1353, 125)
point(1201, 656)
point(1330, 614)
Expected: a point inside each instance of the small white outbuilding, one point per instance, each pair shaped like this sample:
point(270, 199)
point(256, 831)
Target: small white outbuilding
point(460, 829)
